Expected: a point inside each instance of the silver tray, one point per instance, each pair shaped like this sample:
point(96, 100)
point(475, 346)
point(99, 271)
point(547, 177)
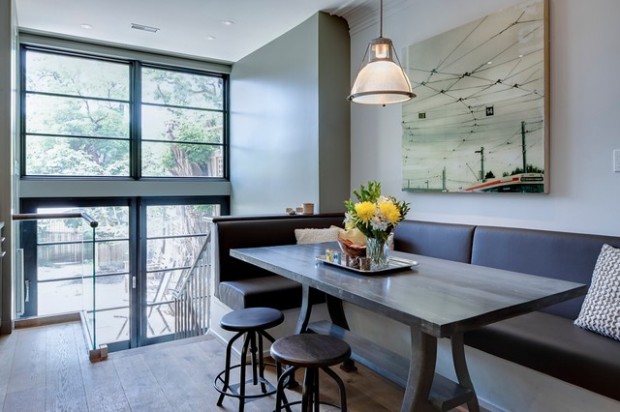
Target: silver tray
point(394, 264)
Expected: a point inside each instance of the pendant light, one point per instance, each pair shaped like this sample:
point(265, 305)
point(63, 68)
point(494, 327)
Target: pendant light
point(381, 80)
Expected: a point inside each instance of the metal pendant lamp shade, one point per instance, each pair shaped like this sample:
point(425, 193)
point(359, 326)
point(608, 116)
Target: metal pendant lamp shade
point(381, 80)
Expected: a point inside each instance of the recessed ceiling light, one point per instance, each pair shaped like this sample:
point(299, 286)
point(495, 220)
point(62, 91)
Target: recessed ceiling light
point(142, 27)
point(86, 26)
point(228, 22)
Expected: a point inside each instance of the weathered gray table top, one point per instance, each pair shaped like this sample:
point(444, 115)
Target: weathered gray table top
point(439, 296)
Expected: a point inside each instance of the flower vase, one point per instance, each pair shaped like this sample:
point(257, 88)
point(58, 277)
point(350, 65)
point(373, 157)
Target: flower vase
point(375, 251)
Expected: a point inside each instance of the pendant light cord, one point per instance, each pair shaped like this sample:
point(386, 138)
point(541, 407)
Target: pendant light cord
point(381, 19)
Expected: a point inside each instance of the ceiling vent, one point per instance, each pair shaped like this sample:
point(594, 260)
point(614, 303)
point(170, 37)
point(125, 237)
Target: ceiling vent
point(144, 28)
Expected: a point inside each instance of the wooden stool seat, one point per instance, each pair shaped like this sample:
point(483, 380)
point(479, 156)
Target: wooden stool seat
point(309, 349)
point(251, 324)
point(314, 353)
point(251, 319)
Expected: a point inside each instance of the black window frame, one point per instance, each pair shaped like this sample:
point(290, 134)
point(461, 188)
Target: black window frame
point(135, 104)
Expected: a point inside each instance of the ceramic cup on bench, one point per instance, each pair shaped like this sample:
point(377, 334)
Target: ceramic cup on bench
point(308, 208)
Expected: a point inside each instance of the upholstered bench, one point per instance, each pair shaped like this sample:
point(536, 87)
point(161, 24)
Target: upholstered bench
point(241, 285)
point(547, 340)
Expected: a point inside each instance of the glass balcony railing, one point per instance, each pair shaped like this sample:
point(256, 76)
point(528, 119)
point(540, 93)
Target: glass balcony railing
point(73, 267)
point(56, 269)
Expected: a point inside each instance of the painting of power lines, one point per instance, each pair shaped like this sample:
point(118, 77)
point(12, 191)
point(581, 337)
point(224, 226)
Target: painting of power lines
point(479, 121)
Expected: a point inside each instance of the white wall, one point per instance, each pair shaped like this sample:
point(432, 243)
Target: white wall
point(584, 121)
point(584, 192)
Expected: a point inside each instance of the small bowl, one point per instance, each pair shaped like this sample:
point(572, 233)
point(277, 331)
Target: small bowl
point(351, 248)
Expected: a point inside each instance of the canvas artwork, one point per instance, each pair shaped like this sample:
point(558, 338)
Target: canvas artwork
point(479, 121)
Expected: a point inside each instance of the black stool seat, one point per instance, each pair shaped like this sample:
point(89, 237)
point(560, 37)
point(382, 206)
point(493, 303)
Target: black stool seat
point(251, 324)
point(309, 349)
point(251, 319)
point(314, 353)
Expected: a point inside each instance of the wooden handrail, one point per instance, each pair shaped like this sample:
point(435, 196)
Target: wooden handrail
point(39, 216)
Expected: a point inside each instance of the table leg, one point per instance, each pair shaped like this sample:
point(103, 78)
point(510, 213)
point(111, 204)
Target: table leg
point(421, 372)
point(462, 373)
point(336, 311)
point(305, 311)
point(338, 317)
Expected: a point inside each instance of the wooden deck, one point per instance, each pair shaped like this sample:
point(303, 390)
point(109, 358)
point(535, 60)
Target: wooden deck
point(47, 369)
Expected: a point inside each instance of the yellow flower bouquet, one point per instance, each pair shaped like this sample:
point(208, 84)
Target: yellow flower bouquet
point(375, 216)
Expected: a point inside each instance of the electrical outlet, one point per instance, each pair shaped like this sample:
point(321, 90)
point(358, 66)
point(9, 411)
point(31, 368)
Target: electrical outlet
point(617, 160)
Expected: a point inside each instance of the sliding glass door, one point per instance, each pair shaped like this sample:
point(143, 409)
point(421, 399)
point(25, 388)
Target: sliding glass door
point(144, 249)
point(174, 235)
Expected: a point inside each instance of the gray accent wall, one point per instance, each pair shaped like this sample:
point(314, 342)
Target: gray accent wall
point(334, 113)
point(8, 129)
point(290, 128)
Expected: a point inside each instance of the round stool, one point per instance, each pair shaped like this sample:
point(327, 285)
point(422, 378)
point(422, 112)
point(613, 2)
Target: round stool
point(250, 323)
point(312, 352)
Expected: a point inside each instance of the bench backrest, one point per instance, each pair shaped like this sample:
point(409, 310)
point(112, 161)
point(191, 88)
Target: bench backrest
point(441, 240)
point(559, 255)
point(238, 232)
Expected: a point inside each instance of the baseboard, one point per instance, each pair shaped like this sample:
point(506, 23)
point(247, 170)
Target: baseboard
point(47, 320)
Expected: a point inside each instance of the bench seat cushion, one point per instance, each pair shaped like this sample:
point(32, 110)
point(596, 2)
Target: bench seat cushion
point(265, 291)
point(553, 345)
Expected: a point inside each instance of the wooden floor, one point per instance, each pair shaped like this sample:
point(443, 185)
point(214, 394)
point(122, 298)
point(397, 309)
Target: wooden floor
point(47, 369)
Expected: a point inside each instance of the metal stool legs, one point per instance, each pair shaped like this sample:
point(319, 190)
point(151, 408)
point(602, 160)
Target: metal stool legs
point(310, 400)
point(340, 383)
point(253, 343)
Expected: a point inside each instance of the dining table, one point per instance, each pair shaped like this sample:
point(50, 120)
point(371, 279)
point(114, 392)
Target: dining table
point(435, 298)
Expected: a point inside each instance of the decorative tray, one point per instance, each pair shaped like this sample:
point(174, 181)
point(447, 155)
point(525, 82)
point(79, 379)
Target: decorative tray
point(394, 264)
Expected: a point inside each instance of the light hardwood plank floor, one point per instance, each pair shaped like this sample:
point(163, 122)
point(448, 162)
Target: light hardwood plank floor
point(47, 369)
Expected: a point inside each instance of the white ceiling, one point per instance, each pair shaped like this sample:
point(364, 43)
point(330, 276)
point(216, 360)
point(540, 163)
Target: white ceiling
point(187, 27)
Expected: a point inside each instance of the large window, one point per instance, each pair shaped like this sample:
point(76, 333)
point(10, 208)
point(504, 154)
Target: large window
point(102, 121)
point(93, 117)
point(182, 124)
point(77, 114)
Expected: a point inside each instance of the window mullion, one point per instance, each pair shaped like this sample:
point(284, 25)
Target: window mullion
point(22, 112)
point(136, 121)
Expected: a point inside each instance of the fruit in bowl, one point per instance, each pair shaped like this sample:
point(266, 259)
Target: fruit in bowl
point(352, 242)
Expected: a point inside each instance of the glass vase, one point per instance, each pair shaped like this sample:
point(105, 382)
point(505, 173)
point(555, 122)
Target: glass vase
point(375, 252)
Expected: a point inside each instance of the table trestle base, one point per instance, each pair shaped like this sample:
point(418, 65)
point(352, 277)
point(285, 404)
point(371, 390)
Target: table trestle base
point(444, 393)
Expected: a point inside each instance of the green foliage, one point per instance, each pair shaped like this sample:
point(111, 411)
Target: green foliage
point(368, 194)
point(82, 116)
